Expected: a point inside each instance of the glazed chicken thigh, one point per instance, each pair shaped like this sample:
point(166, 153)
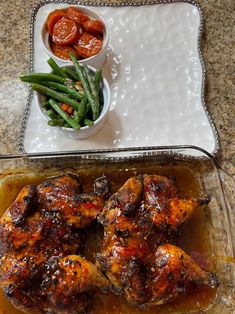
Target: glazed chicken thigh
point(140, 221)
point(171, 270)
point(125, 243)
point(63, 196)
point(165, 208)
point(40, 237)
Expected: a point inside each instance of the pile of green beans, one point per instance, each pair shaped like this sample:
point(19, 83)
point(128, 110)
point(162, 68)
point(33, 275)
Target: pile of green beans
point(60, 87)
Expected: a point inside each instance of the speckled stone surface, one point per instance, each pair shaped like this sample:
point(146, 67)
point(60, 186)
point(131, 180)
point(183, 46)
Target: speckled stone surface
point(217, 48)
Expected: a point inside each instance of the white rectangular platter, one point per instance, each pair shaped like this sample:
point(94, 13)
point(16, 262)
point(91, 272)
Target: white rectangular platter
point(156, 73)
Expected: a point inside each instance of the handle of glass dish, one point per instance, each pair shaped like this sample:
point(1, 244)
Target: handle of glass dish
point(228, 186)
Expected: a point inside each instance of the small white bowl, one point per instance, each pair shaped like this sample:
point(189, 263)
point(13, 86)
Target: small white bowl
point(85, 131)
point(95, 61)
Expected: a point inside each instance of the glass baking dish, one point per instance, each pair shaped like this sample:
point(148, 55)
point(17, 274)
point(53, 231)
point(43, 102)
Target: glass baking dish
point(194, 176)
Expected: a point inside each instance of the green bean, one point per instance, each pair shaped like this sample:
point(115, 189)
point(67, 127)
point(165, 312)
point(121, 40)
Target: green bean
point(88, 122)
point(55, 95)
point(70, 73)
point(82, 112)
point(90, 97)
point(56, 69)
point(45, 104)
point(66, 125)
point(78, 68)
point(91, 83)
point(38, 77)
point(51, 114)
point(97, 80)
point(63, 88)
point(56, 122)
point(74, 124)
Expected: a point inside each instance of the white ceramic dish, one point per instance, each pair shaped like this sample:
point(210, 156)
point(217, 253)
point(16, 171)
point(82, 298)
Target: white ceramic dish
point(85, 131)
point(156, 76)
point(95, 61)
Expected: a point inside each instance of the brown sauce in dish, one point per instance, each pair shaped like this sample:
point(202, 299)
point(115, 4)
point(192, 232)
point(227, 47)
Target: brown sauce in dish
point(193, 236)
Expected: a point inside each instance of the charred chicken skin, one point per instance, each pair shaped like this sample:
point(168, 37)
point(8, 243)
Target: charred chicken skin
point(138, 254)
point(40, 237)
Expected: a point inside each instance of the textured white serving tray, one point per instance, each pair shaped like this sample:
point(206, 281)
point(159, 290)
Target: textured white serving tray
point(156, 75)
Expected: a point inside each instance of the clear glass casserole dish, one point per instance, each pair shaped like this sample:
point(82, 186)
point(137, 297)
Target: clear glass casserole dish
point(210, 234)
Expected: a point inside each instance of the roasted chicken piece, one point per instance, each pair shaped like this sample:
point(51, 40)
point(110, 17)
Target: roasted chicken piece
point(13, 235)
point(124, 243)
point(170, 273)
point(62, 196)
point(139, 220)
point(161, 200)
point(129, 236)
point(43, 224)
point(66, 278)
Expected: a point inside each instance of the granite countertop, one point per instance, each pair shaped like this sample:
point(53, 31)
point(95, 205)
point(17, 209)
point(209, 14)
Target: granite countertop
point(216, 49)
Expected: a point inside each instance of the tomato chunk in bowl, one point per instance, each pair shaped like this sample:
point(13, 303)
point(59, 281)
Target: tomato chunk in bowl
point(79, 29)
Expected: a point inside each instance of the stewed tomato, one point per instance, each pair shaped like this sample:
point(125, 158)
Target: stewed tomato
point(94, 26)
point(73, 31)
point(52, 18)
point(88, 45)
point(62, 52)
point(76, 15)
point(65, 32)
